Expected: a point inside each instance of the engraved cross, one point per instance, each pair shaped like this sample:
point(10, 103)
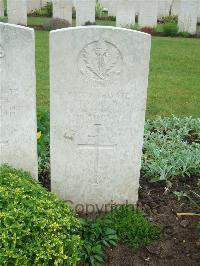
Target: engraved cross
point(97, 147)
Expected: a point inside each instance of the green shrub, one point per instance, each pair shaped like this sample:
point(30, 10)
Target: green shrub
point(56, 23)
point(170, 29)
point(170, 19)
point(131, 226)
point(184, 34)
point(99, 9)
point(36, 228)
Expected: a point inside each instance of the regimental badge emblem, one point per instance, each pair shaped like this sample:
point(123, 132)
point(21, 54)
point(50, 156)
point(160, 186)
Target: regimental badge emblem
point(2, 54)
point(100, 60)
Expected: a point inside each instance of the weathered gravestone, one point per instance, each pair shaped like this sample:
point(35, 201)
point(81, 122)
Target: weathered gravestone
point(33, 5)
point(18, 144)
point(1, 8)
point(187, 19)
point(63, 9)
point(17, 12)
point(175, 7)
point(164, 8)
point(112, 8)
point(148, 12)
point(85, 11)
point(98, 98)
point(125, 13)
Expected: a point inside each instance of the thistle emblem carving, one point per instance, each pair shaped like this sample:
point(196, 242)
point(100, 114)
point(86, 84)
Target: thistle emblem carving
point(100, 61)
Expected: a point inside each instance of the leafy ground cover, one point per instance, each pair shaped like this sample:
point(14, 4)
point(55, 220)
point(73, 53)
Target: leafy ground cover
point(36, 228)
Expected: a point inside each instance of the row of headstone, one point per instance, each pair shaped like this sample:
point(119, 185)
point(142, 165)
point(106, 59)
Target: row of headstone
point(97, 109)
point(126, 10)
point(188, 13)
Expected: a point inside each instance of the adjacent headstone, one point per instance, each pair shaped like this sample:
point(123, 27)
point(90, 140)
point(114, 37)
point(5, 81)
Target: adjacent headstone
point(85, 11)
point(112, 8)
point(63, 9)
point(175, 7)
point(148, 13)
point(187, 20)
point(198, 17)
point(125, 13)
point(33, 5)
point(1, 8)
point(17, 12)
point(164, 8)
point(99, 78)
point(18, 143)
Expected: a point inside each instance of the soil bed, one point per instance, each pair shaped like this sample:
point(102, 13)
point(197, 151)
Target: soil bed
point(180, 241)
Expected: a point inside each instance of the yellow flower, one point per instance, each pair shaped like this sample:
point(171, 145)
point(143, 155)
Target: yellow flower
point(39, 134)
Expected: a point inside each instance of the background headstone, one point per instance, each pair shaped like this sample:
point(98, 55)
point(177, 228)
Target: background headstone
point(98, 98)
point(187, 20)
point(175, 7)
point(1, 8)
point(17, 12)
point(148, 13)
point(112, 8)
point(33, 5)
point(164, 8)
point(198, 18)
point(63, 9)
point(18, 143)
point(125, 13)
point(85, 11)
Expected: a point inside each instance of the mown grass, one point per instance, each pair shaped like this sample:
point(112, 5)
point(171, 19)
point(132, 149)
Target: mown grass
point(174, 79)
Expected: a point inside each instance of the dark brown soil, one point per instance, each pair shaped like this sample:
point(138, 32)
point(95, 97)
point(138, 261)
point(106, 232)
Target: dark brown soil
point(180, 241)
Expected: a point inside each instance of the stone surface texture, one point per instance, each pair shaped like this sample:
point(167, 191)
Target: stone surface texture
point(187, 20)
point(63, 9)
point(99, 79)
point(17, 12)
point(18, 143)
point(148, 11)
point(125, 13)
point(85, 11)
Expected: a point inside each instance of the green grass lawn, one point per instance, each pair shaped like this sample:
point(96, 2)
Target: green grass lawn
point(174, 80)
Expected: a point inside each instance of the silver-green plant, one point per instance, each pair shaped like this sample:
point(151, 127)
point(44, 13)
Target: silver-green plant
point(171, 148)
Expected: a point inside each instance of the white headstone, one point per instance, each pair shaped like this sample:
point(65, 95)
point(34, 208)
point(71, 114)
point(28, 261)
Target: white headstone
point(1, 8)
point(198, 18)
point(33, 5)
point(112, 8)
point(148, 13)
point(175, 7)
point(187, 20)
point(85, 11)
point(164, 8)
point(18, 143)
point(17, 11)
point(125, 13)
point(63, 9)
point(99, 78)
